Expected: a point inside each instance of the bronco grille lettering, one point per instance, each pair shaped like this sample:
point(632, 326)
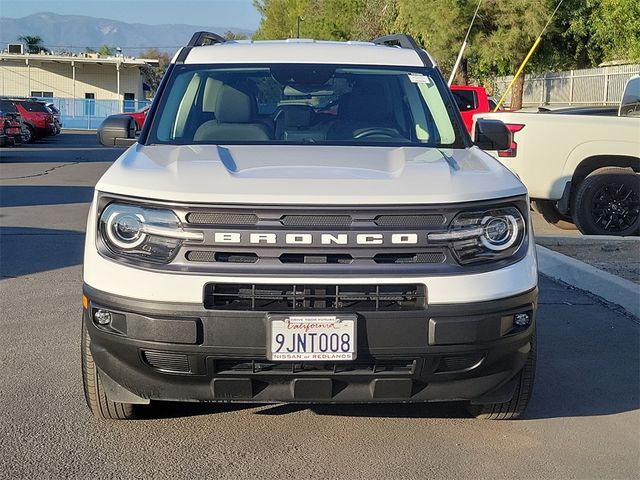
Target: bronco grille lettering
point(285, 238)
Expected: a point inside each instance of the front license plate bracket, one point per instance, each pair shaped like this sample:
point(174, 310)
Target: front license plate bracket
point(311, 338)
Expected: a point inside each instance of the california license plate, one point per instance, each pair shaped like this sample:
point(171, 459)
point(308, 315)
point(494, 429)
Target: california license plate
point(311, 337)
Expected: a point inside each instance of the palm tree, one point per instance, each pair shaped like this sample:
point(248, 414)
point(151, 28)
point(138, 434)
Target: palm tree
point(34, 43)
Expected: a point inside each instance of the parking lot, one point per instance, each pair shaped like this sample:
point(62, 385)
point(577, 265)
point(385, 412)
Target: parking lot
point(583, 421)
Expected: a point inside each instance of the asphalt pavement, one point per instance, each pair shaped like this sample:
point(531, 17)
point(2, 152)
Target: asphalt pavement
point(583, 421)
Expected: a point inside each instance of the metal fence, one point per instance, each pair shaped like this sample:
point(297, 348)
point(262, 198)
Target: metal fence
point(593, 86)
point(88, 113)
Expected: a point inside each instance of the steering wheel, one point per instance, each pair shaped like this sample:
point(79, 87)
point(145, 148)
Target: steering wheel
point(377, 131)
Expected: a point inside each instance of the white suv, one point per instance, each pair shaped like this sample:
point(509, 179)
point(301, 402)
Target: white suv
point(305, 221)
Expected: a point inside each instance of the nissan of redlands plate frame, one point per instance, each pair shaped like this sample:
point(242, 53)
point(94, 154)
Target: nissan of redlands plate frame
point(312, 337)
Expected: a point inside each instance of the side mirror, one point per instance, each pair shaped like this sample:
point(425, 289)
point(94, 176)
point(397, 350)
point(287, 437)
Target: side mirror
point(117, 131)
point(492, 135)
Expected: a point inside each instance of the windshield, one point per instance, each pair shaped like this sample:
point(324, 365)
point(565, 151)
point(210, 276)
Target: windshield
point(34, 107)
point(303, 104)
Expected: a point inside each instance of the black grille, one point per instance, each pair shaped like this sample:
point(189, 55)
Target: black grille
point(392, 367)
point(425, 257)
point(167, 362)
point(274, 298)
point(228, 257)
point(316, 259)
point(215, 218)
point(458, 363)
point(409, 220)
point(316, 220)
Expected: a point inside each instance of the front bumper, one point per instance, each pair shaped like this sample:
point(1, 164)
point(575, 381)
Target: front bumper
point(185, 352)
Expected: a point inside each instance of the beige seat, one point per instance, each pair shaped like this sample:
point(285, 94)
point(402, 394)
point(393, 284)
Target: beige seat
point(233, 117)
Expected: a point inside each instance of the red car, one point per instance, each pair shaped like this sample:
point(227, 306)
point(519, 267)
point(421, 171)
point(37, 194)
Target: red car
point(471, 100)
point(10, 129)
point(38, 121)
point(140, 116)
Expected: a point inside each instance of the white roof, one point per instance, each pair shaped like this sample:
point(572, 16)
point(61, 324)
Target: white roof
point(40, 58)
point(303, 51)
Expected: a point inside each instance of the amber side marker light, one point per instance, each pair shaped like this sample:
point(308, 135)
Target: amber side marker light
point(85, 302)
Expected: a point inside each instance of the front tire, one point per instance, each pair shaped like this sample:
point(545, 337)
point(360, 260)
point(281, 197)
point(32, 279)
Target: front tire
point(94, 393)
point(515, 407)
point(607, 202)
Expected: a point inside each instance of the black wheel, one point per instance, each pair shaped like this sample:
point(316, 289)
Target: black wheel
point(607, 202)
point(29, 134)
point(94, 394)
point(515, 407)
point(550, 213)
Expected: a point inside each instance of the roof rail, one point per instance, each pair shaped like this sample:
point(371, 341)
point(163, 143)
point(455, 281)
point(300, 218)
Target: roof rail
point(405, 41)
point(200, 39)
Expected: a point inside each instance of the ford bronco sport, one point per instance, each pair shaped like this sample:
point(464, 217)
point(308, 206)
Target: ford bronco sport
point(307, 221)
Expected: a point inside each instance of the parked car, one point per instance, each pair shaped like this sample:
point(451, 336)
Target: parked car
point(581, 170)
point(56, 116)
point(10, 129)
point(4, 139)
point(374, 255)
point(139, 117)
point(38, 121)
point(472, 100)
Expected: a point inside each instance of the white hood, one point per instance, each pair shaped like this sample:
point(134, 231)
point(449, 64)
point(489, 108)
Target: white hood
point(308, 175)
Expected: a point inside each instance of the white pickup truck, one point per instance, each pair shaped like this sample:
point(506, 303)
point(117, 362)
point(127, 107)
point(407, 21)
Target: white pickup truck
point(580, 167)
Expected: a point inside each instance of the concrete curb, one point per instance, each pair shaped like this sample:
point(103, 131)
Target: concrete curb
point(585, 277)
point(583, 239)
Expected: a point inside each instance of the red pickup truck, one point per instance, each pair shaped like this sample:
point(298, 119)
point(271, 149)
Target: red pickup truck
point(472, 100)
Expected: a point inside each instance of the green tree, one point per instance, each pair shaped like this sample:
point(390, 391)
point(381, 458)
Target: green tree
point(507, 31)
point(377, 18)
point(229, 35)
point(279, 18)
point(105, 50)
point(616, 29)
point(153, 74)
point(34, 43)
point(440, 26)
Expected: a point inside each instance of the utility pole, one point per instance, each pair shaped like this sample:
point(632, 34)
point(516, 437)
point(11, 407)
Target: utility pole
point(298, 20)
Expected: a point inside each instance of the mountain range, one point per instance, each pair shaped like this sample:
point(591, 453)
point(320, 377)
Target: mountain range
point(74, 33)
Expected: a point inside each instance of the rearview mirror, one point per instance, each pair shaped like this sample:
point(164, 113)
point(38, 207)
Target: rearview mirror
point(117, 131)
point(492, 135)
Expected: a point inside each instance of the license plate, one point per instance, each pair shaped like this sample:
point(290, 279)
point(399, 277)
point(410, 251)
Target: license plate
point(311, 337)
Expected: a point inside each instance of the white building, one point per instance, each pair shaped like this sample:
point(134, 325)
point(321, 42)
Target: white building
point(87, 76)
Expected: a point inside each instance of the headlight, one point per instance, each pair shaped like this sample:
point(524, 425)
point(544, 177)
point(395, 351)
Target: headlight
point(484, 235)
point(149, 234)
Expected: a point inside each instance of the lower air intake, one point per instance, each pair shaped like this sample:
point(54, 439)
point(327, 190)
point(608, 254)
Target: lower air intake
point(167, 362)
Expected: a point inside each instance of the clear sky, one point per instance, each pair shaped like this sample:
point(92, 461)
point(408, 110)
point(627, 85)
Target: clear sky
point(227, 13)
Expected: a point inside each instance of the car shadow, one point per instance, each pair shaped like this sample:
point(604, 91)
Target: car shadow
point(33, 195)
point(163, 410)
point(63, 148)
point(27, 250)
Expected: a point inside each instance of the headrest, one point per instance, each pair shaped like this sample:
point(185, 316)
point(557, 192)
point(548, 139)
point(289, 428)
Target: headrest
point(211, 93)
point(297, 116)
point(368, 101)
point(233, 106)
